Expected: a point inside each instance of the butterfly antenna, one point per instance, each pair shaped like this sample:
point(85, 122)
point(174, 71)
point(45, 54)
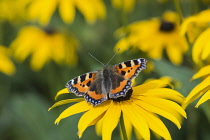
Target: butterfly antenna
point(113, 56)
point(96, 59)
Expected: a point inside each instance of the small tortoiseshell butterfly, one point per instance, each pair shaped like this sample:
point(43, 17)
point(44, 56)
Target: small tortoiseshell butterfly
point(109, 83)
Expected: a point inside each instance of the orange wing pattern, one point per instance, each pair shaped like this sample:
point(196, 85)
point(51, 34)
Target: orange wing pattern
point(130, 69)
point(120, 91)
point(81, 84)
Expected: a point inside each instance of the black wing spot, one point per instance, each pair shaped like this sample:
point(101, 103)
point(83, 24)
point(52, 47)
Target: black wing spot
point(128, 63)
point(82, 77)
point(75, 81)
point(120, 66)
point(128, 70)
point(90, 75)
point(136, 62)
point(88, 84)
point(123, 72)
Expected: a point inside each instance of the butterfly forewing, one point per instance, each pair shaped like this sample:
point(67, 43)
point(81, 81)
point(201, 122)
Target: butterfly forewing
point(131, 68)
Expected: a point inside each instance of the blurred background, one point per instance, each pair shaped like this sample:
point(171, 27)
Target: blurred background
point(44, 44)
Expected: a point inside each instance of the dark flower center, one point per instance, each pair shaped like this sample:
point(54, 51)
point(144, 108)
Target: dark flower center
point(127, 97)
point(49, 30)
point(167, 26)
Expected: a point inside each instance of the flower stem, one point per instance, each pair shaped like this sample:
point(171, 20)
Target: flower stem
point(122, 126)
point(180, 12)
point(178, 9)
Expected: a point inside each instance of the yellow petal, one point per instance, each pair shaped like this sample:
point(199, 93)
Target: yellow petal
point(163, 93)
point(153, 108)
point(197, 91)
point(91, 10)
point(123, 44)
point(128, 127)
point(62, 102)
point(38, 59)
point(98, 127)
point(166, 105)
point(110, 120)
point(206, 49)
point(204, 98)
point(149, 85)
point(202, 72)
point(67, 10)
point(62, 91)
point(199, 45)
point(90, 116)
point(6, 65)
point(185, 24)
point(101, 9)
point(156, 124)
point(174, 54)
point(132, 111)
point(74, 109)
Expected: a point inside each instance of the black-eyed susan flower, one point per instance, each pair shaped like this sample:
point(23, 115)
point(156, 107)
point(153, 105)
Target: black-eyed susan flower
point(195, 24)
point(154, 36)
point(6, 65)
point(42, 10)
point(125, 5)
point(141, 110)
point(44, 45)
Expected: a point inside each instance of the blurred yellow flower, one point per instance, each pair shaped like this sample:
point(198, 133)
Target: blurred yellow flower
point(195, 24)
point(125, 5)
point(13, 10)
point(6, 65)
point(201, 49)
point(43, 46)
point(42, 10)
point(154, 36)
point(201, 89)
point(146, 102)
point(201, 55)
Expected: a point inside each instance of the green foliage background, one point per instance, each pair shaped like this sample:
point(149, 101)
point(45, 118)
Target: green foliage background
point(26, 96)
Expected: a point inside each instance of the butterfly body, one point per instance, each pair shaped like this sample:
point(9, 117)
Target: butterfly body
point(109, 83)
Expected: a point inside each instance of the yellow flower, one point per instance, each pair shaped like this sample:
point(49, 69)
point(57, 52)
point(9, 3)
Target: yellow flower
point(43, 46)
point(195, 24)
point(201, 56)
point(141, 111)
point(6, 65)
point(201, 89)
point(154, 36)
point(42, 10)
point(13, 10)
point(125, 5)
point(201, 49)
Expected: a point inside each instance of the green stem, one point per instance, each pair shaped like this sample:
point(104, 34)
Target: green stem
point(178, 9)
point(122, 125)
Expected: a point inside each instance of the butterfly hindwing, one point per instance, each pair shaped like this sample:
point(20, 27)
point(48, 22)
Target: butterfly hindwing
point(130, 69)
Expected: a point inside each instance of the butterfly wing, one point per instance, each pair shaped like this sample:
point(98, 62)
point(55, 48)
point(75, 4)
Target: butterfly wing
point(123, 73)
point(89, 86)
point(131, 69)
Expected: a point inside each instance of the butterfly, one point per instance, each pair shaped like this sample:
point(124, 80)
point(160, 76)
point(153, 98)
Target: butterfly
point(109, 83)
